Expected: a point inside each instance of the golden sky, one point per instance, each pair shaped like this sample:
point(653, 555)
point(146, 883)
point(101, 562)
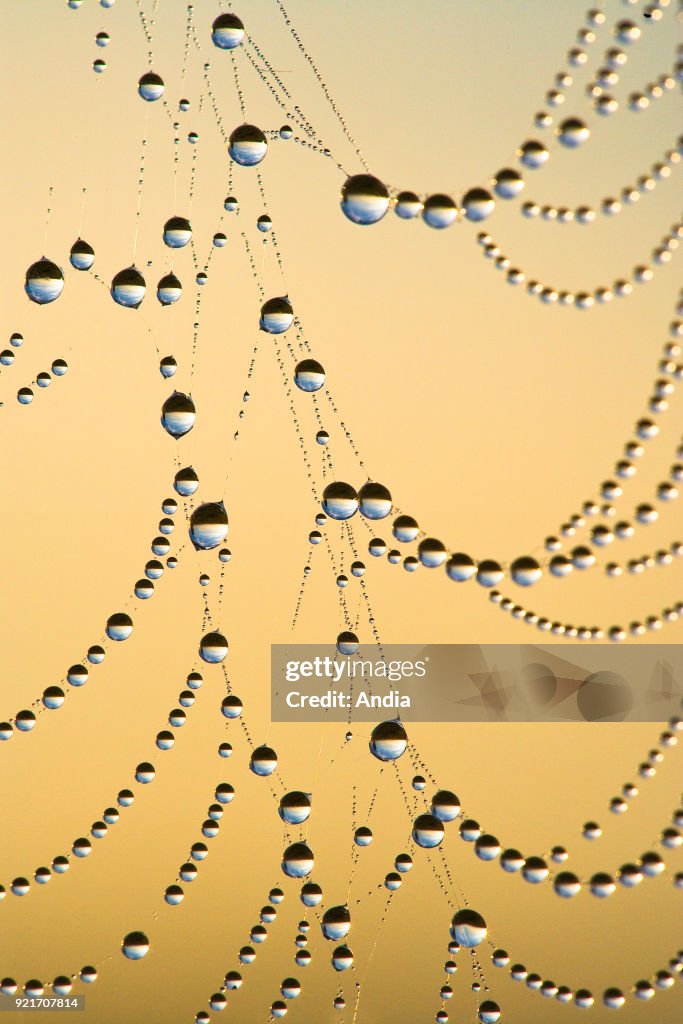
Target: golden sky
point(490, 416)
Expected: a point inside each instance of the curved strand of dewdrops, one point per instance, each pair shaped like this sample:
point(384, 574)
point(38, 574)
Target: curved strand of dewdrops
point(629, 195)
point(645, 513)
point(640, 100)
point(536, 871)
point(606, 105)
point(254, 267)
point(641, 274)
point(233, 979)
point(53, 697)
point(144, 773)
point(614, 57)
point(645, 430)
point(198, 852)
point(635, 566)
point(603, 534)
point(538, 865)
point(582, 557)
point(224, 793)
point(583, 998)
point(618, 805)
point(42, 380)
point(616, 634)
point(607, 78)
point(576, 56)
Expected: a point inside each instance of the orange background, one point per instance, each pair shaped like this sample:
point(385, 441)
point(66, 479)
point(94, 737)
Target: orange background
point(490, 417)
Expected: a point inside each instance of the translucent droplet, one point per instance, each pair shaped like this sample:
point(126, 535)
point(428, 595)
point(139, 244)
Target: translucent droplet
point(151, 87)
point(186, 481)
point(431, 553)
point(135, 946)
point(213, 648)
point(44, 282)
point(177, 232)
point(347, 643)
point(336, 923)
point(405, 529)
point(468, 928)
point(388, 740)
point(169, 290)
point(119, 626)
point(309, 375)
point(428, 831)
point(508, 183)
point(128, 288)
point(277, 315)
point(573, 132)
point(248, 145)
point(208, 525)
point(439, 211)
point(445, 805)
point(82, 255)
point(340, 500)
point(178, 415)
point(460, 567)
point(295, 807)
point(227, 31)
point(297, 860)
point(525, 571)
point(364, 199)
point(478, 204)
point(533, 154)
point(263, 761)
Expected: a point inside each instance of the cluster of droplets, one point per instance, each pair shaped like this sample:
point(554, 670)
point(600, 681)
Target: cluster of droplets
point(43, 379)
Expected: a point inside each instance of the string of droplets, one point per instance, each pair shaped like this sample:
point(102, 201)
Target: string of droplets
point(584, 299)
point(645, 430)
point(119, 628)
point(609, 206)
point(612, 997)
point(144, 773)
